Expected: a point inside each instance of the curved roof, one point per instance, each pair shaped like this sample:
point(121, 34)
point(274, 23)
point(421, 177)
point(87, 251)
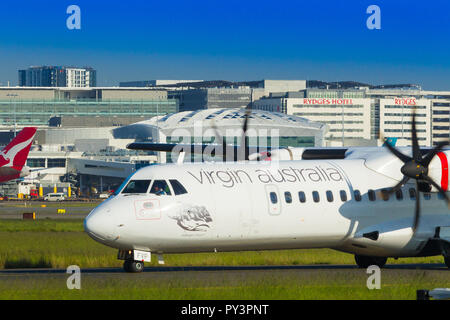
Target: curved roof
point(261, 123)
point(230, 117)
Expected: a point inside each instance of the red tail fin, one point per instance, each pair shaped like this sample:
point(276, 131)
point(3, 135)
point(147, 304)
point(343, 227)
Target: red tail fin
point(16, 152)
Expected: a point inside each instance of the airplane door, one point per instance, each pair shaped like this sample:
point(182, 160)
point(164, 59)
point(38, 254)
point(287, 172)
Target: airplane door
point(273, 200)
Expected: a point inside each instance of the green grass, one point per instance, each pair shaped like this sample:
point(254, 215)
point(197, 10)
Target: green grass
point(44, 225)
point(64, 204)
point(273, 284)
point(60, 243)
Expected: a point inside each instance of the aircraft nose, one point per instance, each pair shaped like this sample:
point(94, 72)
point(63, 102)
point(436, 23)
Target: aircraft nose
point(99, 225)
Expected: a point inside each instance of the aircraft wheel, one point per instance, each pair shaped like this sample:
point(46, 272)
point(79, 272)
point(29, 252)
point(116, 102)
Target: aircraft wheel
point(447, 261)
point(126, 265)
point(133, 266)
point(366, 261)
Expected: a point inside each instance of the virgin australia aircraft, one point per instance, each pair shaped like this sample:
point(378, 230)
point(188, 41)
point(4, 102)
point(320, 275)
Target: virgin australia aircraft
point(346, 204)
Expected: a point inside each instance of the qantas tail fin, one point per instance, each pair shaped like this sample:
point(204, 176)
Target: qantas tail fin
point(16, 152)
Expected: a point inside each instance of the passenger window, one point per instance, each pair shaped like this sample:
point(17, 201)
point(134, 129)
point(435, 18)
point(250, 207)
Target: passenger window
point(357, 195)
point(273, 197)
point(399, 194)
point(329, 196)
point(137, 186)
point(343, 195)
point(385, 194)
point(302, 197)
point(288, 197)
point(427, 195)
point(372, 195)
point(160, 188)
point(316, 196)
point(440, 196)
point(412, 194)
point(177, 187)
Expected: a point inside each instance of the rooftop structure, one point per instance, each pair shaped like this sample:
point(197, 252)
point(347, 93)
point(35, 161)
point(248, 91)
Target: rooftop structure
point(265, 128)
point(57, 76)
point(24, 106)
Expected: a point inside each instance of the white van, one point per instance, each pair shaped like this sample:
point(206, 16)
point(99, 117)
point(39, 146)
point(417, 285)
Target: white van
point(55, 197)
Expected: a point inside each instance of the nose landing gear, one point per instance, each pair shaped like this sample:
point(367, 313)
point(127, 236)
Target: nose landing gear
point(134, 260)
point(133, 266)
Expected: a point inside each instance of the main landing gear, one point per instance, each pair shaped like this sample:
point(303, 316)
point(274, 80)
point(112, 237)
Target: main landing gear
point(447, 261)
point(366, 261)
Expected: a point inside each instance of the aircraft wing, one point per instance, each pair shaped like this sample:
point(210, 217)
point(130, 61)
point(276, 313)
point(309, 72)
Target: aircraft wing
point(205, 149)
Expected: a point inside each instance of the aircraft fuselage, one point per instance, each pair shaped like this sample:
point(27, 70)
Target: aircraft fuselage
point(263, 206)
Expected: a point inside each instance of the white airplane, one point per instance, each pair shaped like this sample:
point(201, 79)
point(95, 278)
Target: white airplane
point(346, 204)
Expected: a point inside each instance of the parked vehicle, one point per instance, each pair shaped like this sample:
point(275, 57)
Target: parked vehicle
point(34, 194)
point(55, 197)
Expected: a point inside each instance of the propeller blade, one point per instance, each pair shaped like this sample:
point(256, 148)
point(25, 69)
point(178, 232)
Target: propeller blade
point(441, 191)
point(430, 155)
point(398, 154)
point(244, 142)
point(417, 154)
point(247, 115)
point(417, 209)
point(217, 134)
point(387, 192)
point(221, 139)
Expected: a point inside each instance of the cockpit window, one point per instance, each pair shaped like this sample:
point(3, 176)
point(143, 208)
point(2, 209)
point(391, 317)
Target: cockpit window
point(124, 183)
point(137, 186)
point(160, 188)
point(177, 187)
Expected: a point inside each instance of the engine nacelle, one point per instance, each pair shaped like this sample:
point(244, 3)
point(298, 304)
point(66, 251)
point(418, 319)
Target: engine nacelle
point(25, 172)
point(393, 239)
point(438, 170)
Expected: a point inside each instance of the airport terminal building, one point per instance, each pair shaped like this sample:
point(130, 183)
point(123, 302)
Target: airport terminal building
point(74, 142)
point(83, 132)
point(361, 116)
point(272, 129)
point(30, 106)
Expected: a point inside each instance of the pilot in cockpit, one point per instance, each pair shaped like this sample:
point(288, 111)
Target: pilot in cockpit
point(159, 187)
point(159, 191)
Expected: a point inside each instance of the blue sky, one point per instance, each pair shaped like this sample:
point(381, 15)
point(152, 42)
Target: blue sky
point(232, 40)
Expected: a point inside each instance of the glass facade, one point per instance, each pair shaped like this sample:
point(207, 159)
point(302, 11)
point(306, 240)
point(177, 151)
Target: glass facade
point(307, 141)
point(36, 162)
point(38, 112)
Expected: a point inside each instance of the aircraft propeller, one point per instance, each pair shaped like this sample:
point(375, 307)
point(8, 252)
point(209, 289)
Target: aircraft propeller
point(416, 167)
point(244, 150)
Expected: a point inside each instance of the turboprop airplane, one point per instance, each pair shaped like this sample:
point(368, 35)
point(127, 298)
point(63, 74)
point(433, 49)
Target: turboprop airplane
point(14, 156)
point(346, 203)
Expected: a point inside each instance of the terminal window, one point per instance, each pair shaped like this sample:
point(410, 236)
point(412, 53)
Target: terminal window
point(36, 163)
point(56, 163)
